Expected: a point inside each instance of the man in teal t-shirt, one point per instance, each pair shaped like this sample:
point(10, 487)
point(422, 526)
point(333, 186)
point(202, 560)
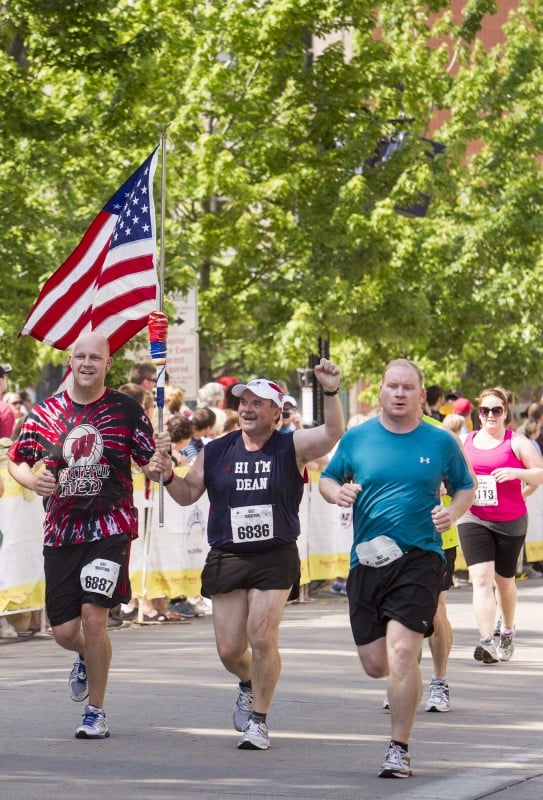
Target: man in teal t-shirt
point(390, 470)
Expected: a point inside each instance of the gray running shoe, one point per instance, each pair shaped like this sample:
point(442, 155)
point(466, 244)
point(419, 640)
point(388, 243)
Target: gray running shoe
point(242, 708)
point(77, 682)
point(486, 651)
point(255, 736)
point(396, 764)
point(506, 647)
point(438, 699)
point(94, 724)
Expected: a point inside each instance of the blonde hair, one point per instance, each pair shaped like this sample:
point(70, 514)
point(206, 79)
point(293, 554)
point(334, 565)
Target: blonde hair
point(174, 396)
point(454, 422)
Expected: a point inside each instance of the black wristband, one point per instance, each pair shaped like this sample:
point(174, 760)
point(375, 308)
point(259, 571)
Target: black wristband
point(331, 394)
point(170, 479)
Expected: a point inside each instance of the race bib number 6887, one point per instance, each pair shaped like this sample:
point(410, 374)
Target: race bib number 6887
point(100, 577)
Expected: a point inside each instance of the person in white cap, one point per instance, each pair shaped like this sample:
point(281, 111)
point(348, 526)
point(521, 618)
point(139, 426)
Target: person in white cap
point(290, 418)
point(254, 478)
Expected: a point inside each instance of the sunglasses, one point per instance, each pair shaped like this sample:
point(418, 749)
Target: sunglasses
point(497, 411)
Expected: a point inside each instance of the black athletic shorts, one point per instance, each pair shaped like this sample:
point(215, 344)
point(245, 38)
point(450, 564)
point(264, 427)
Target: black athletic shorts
point(406, 591)
point(483, 541)
point(275, 568)
point(450, 557)
point(82, 573)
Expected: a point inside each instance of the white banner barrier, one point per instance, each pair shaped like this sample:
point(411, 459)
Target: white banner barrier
point(165, 561)
point(21, 560)
point(533, 546)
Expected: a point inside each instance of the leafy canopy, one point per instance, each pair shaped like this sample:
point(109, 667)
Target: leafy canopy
point(277, 208)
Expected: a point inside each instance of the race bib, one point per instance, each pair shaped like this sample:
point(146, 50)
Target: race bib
point(378, 552)
point(252, 523)
point(100, 577)
point(487, 491)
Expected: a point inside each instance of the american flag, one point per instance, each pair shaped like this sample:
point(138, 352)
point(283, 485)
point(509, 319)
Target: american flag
point(109, 283)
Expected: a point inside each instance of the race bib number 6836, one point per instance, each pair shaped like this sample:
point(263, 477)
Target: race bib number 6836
point(252, 523)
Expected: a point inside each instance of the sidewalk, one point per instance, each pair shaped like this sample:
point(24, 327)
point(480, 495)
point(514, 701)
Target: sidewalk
point(169, 708)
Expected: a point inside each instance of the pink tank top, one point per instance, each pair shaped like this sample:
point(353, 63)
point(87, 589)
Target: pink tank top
point(496, 502)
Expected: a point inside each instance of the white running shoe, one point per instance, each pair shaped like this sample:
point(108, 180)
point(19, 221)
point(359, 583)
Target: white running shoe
point(255, 736)
point(506, 646)
point(486, 651)
point(397, 763)
point(438, 699)
point(77, 682)
point(242, 708)
point(7, 631)
point(94, 724)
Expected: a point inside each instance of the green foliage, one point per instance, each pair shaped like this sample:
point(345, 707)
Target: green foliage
point(275, 208)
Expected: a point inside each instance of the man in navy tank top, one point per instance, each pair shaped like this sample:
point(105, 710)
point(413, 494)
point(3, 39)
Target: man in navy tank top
point(254, 478)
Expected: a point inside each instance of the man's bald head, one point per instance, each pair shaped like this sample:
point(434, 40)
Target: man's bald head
point(92, 340)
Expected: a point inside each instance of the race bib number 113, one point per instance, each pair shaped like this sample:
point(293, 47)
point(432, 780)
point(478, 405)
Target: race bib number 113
point(487, 491)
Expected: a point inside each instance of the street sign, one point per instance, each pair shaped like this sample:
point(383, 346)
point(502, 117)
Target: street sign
point(182, 363)
point(186, 309)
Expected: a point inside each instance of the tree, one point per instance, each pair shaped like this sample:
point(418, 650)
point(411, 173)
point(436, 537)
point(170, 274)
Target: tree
point(279, 208)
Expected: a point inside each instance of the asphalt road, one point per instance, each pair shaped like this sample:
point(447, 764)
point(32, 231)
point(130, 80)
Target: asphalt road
point(169, 709)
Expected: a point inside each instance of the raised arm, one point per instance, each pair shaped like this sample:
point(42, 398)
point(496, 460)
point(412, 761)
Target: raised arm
point(312, 443)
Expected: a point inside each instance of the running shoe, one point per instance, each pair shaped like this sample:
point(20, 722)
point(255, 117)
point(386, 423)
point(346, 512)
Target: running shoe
point(94, 724)
point(77, 682)
point(255, 736)
point(438, 699)
point(396, 763)
point(7, 631)
point(506, 646)
point(183, 608)
point(486, 651)
point(242, 708)
point(201, 605)
point(339, 587)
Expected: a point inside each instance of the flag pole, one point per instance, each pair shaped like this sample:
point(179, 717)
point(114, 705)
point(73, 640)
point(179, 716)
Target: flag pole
point(158, 334)
point(163, 138)
point(158, 322)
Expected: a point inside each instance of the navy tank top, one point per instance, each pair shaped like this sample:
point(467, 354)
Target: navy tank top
point(254, 496)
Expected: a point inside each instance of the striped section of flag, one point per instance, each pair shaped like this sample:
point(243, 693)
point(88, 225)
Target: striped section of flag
point(109, 283)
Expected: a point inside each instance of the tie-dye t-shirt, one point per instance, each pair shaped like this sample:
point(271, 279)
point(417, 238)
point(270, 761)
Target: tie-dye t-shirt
point(90, 448)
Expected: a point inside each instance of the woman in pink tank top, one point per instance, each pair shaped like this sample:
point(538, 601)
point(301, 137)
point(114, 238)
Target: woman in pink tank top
point(492, 532)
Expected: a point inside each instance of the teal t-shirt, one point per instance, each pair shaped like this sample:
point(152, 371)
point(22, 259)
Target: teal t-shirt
point(400, 475)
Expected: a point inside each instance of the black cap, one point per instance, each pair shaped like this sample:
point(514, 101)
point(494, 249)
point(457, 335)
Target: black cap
point(4, 369)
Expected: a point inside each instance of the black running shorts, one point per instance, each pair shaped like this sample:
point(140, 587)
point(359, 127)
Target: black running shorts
point(450, 557)
point(482, 541)
point(276, 568)
point(79, 573)
point(406, 591)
